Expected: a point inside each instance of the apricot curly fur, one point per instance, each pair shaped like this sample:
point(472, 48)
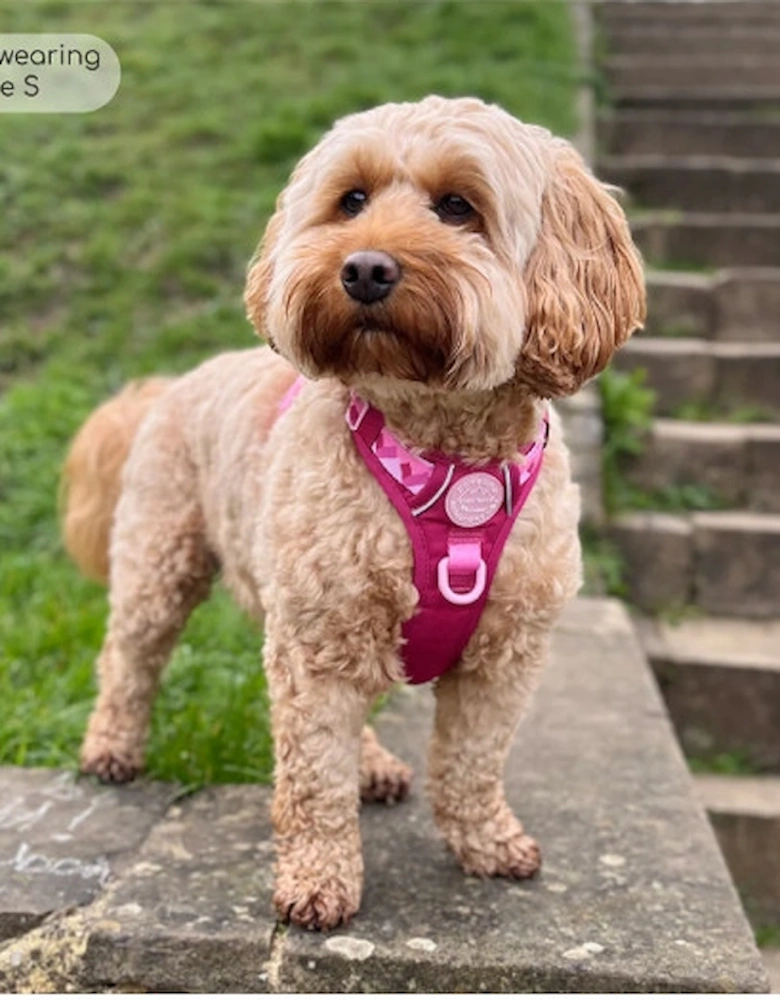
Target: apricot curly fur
point(525, 299)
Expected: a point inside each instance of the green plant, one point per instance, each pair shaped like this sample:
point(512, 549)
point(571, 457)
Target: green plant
point(734, 762)
point(767, 935)
point(673, 498)
point(603, 565)
point(626, 407)
point(707, 411)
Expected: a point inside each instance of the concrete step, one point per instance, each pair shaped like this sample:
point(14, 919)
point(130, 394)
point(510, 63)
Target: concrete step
point(739, 464)
point(633, 897)
point(771, 958)
point(720, 678)
point(699, 97)
point(685, 133)
point(697, 183)
point(745, 813)
point(720, 376)
point(718, 15)
point(690, 240)
point(736, 304)
point(724, 562)
point(689, 71)
point(658, 40)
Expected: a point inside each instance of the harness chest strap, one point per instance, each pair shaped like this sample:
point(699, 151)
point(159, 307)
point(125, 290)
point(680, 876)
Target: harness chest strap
point(458, 519)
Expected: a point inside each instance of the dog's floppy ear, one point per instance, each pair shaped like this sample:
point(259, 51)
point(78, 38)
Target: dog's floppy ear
point(584, 282)
point(258, 279)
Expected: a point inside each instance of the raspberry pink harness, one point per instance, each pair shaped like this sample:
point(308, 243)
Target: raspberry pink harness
point(458, 518)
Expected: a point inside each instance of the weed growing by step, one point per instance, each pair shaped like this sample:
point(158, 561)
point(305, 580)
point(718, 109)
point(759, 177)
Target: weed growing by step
point(125, 236)
point(767, 935)
point(603, 565)
point(626, 408)
point(735, 762)
point(674, 498)
point(706, 411)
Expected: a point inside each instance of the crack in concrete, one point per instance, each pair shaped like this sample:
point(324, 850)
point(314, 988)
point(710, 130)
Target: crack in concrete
point(273, 967)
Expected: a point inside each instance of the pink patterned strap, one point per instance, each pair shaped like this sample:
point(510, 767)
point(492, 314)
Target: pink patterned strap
point(406, 468)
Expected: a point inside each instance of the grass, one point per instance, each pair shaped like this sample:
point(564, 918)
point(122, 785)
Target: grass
point(124, 239)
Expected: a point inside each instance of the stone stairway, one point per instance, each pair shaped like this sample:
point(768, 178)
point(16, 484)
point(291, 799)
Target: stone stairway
point(692, 133)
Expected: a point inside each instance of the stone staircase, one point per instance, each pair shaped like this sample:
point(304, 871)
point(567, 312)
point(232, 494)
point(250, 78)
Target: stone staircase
point(693, 135)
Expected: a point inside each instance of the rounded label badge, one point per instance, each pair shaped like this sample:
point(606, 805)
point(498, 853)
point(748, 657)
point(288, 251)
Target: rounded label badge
point(474, 499)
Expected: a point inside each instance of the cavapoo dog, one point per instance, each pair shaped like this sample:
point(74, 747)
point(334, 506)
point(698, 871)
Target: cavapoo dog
point(385, 485)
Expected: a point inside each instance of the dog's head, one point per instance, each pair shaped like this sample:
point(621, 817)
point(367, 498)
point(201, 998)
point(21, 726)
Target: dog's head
point(446, 243)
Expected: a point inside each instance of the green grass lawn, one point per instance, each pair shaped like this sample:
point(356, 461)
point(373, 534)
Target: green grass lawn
point(124, 236)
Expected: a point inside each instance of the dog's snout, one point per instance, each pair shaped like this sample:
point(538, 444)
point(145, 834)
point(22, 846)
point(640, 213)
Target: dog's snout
point(369, 275)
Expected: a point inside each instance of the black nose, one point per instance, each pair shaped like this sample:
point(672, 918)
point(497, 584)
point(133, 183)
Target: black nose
point(369, 275)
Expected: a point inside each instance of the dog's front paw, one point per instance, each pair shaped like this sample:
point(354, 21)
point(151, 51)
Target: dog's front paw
point(502, 849)
point(110, 766)
point(383, 777)
point(315, 902)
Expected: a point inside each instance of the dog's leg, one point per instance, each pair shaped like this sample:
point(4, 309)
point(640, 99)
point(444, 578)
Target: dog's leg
point(477, 713)
point(383, 777)
point(161, 569)
point(317, 722)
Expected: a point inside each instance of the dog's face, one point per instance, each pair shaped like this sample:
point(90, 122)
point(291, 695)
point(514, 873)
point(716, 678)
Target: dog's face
point(446, 243)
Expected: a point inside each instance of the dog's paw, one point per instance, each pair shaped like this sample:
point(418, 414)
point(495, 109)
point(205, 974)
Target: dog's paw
point(383, 777)
point(518, 857)
point(496, 849)
point(111, 767)
point(315, 903)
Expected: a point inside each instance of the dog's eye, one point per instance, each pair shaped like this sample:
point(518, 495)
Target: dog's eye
point(353, 202)
point(454, 209)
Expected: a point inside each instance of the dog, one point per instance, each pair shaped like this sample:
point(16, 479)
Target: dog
point(443, 270)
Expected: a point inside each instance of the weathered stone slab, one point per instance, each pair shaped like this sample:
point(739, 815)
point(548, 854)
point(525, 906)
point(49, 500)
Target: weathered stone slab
point(680, 304)
point(763, 467)
point(747, 304)
point(61, 840)
point(692, 70)
point(633, 894)
point(680, 453)
point(694, 42)
point(728, 376)
point(748, 375)
point(697, 183)
point(657, 552)
point(720, 678)
point(725, 97)
point(678, 369)
point(193, 913)
point(745, 812)
point(583, 432)
point(723, 15)
point(684, 133)
point(708, 240)
point(737, 563)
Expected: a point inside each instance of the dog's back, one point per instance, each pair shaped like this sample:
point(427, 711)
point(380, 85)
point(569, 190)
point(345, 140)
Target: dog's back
point(92, 475)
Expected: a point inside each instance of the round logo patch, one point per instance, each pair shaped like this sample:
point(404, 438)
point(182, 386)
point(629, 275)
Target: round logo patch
point(474, 499)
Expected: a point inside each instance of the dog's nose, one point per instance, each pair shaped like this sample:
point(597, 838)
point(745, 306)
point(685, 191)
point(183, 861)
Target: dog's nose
point(369, 275)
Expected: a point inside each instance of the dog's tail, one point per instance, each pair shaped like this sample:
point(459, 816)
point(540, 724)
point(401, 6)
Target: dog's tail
point(92, 475)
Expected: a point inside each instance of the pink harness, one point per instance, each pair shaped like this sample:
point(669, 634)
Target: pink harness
point(458, 519)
